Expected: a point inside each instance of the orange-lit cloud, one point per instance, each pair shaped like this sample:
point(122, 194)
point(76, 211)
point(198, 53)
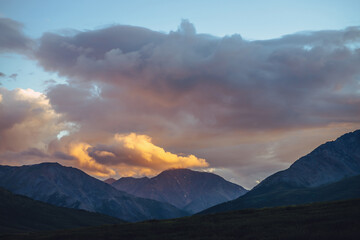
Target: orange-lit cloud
point(140, 149)
point(128, 155)
point(85, 162)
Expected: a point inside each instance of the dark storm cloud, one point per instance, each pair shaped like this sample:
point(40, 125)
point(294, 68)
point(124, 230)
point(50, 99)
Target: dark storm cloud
point(60, 53)
point(11, 38)
point(300, 80)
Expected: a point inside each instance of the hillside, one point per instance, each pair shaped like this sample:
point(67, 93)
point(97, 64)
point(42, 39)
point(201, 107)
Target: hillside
point(22, 214)
point(320, 221)
point(330, 166)
point(328, 163)
point(283, 195)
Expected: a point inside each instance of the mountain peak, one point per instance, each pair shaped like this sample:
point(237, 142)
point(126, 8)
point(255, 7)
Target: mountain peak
point(71, 187)
point(50, 164)
point(109, 180)
point(186, 189)
point(177, 171)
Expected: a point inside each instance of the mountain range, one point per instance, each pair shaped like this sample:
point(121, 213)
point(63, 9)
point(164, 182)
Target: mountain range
point(188, 190)
point(330, 172)
point(70, 187)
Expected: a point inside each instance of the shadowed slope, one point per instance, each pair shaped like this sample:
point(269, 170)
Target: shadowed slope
point(70, 187)
point(22, 214)
point(324, 174)
point(186, 189)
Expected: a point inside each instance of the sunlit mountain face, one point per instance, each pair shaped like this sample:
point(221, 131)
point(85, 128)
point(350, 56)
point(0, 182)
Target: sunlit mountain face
point(118, 96)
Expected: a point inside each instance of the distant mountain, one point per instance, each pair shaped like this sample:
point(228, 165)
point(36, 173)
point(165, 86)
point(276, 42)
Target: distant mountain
point(186, 189)
point(23, 214)
point(330, 166)
point(109, 180)
point(70, 187)
point(328, 163)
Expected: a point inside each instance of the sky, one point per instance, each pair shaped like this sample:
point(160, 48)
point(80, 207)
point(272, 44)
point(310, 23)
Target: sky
point(131, 88)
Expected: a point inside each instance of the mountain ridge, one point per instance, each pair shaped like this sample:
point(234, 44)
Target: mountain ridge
point(330, 163)
point(186, 189)
point(71, 187)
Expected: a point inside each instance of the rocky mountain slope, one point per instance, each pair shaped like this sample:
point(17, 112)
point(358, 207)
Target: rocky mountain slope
point(70, 187)
point(324, 168)
point(189, 190)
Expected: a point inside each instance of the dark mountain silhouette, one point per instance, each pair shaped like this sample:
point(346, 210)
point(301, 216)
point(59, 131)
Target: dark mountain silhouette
point(109, 180)
point(283, 195)
point(186, 189)
point(330, 166)
point(23, 214)
point(70, 187)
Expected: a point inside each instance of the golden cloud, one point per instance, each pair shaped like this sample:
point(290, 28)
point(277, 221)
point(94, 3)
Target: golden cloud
point(85, 162)
point(141, 150)
point(128, 155)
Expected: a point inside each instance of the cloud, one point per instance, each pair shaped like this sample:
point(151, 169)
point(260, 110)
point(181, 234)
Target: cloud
point(13, 76)
point(27, 121)
point(224, 99)
point(139, 151)
point(63, 156)
point(236, 103)
point(12, 38)
point(84, 161)
point(208, 83)
point(119, 155)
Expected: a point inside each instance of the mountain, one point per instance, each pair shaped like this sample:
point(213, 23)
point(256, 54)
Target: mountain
point(109, 180)
point(328, 163)
point(330, 166)
point(282, 195)
point(23, 214)
point(70, 187)
point(186, 189)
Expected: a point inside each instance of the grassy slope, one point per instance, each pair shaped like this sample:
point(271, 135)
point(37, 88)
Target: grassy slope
point(282, 195)
point(23, 214)
point(336, 220)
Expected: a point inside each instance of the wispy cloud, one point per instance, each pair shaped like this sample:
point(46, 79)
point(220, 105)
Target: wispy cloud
point(12, 38)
